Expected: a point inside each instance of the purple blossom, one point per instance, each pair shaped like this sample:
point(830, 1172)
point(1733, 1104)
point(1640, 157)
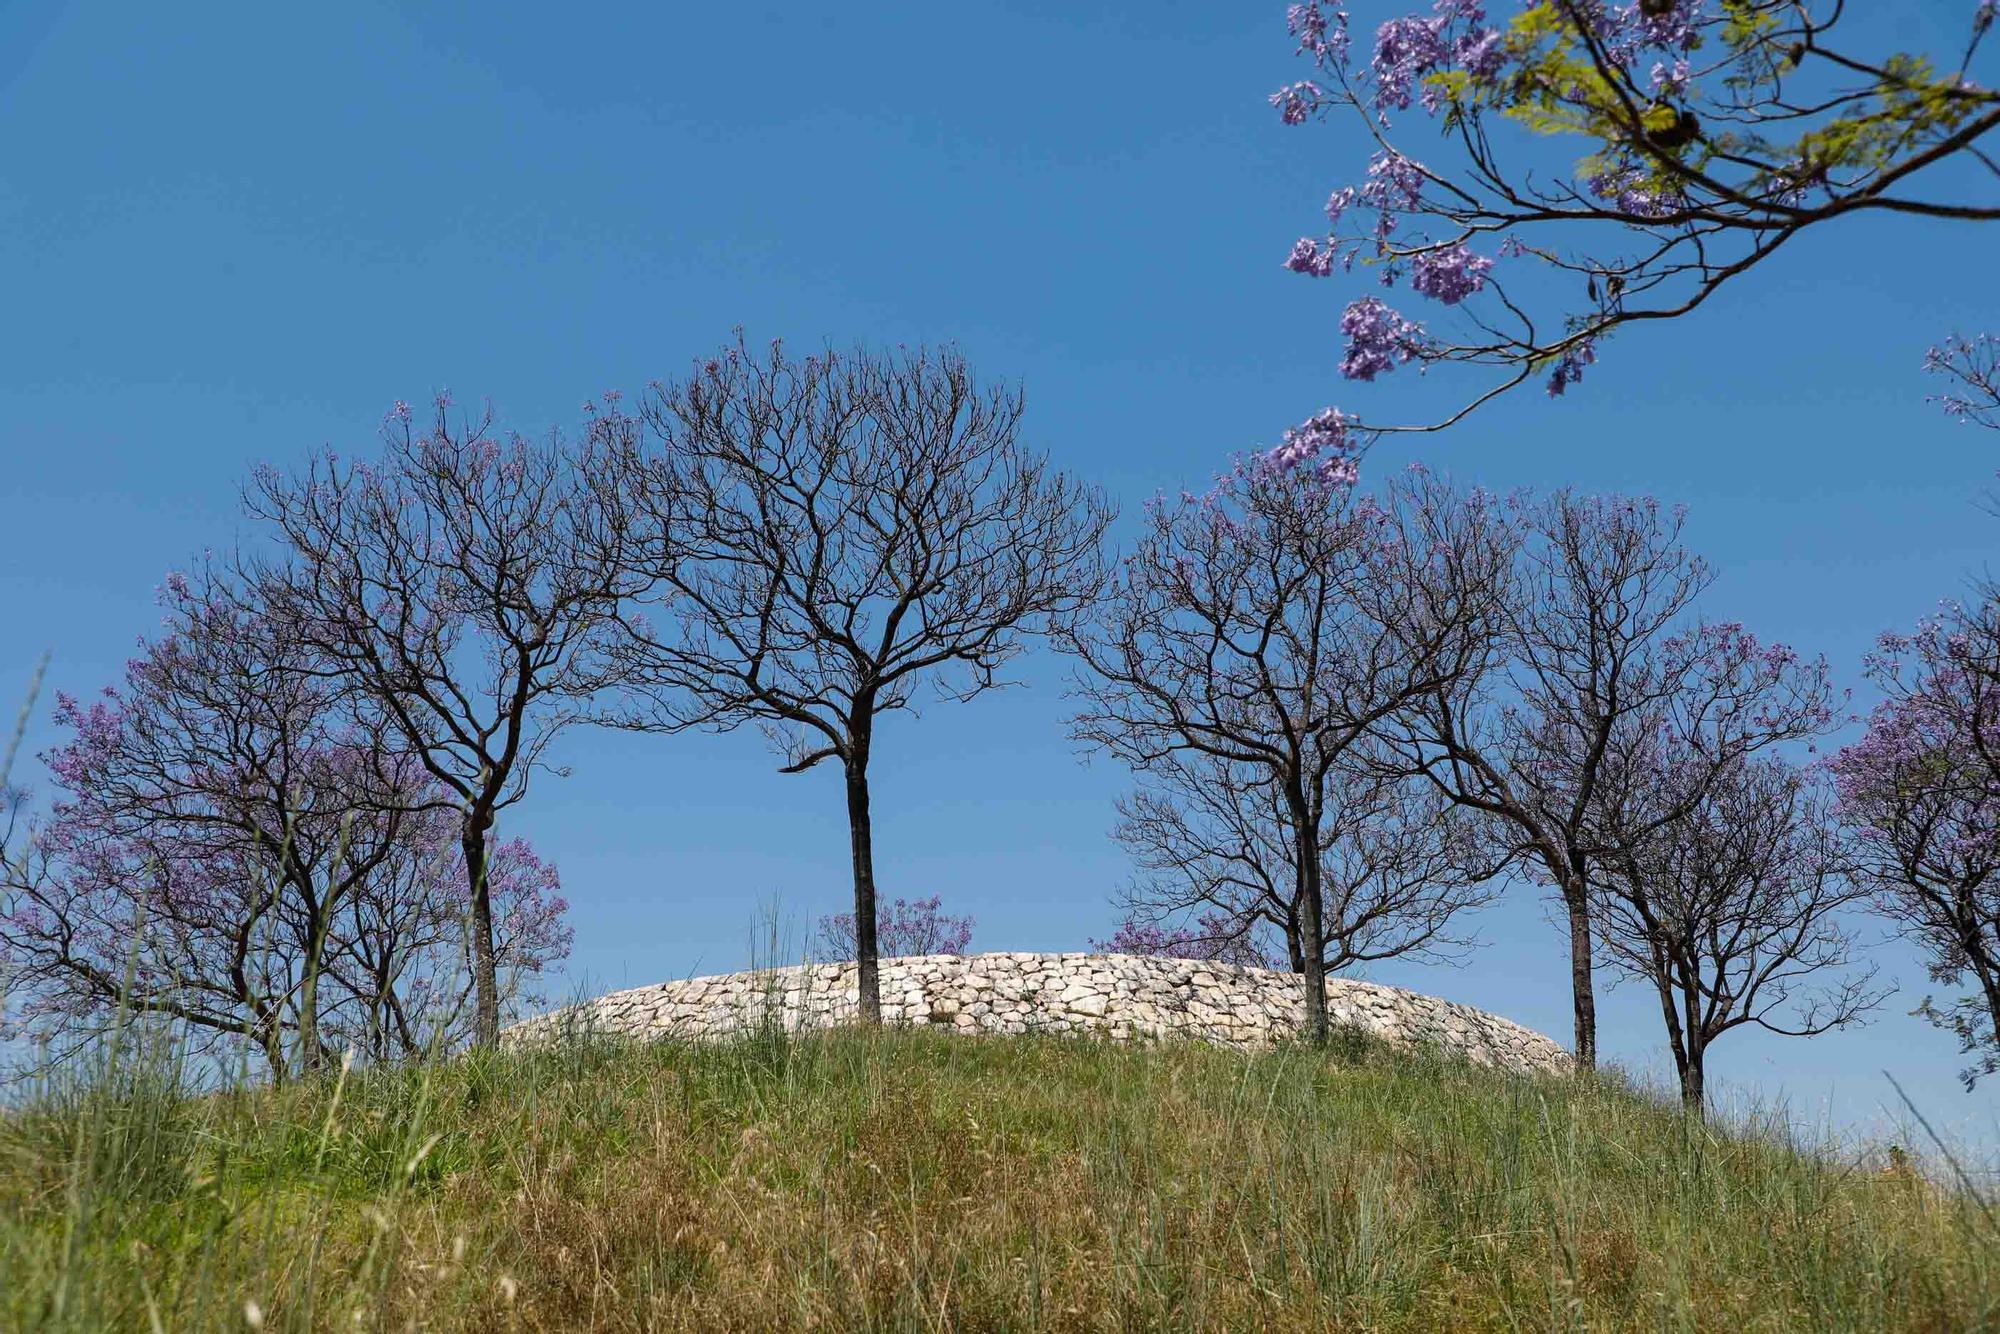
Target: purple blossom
point(1307, 257)
point(1324, 441)
point(1377, 339)
point(1338, 203)
point(1482, 53)
point(1449, 275)
point(1326, 42)
point(1296, 102)
point(1630, 191)
point(1409, 48)
point(1394, 185)
point(1674, 26)
point(1406, 49)
point(1569, 367)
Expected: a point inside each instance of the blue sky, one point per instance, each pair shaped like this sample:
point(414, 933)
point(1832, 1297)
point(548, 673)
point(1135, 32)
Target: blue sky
point(229, 234)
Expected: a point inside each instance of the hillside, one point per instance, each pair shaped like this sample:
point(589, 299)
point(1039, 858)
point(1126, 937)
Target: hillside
point(920, 1180)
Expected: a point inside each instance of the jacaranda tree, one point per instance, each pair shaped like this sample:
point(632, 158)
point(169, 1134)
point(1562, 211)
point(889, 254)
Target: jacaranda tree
point(1922, 792)
point(1733, 911)
point(1272, 626)
point(1599, 653)
point(225, 841)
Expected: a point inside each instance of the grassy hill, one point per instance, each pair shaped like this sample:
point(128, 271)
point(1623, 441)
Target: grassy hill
point(922, 1181)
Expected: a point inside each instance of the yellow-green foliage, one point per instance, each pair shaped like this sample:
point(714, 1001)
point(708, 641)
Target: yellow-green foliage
point(1553, 86)
point(918, 1181)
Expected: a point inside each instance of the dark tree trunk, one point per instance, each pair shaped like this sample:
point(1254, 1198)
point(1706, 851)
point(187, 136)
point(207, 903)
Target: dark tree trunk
point(1312, 931)
point(861, 838)
point(485, 976)
point(272, 1040)
point(1582, 993)
point(1985, 967)
point(312, 1055)
point(1694, 1080)
point(1681, 1038)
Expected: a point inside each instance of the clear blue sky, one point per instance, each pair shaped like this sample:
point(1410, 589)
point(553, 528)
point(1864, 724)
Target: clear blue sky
point(230, 233)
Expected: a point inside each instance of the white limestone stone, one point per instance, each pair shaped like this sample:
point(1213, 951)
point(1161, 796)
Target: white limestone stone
point(1122, 995)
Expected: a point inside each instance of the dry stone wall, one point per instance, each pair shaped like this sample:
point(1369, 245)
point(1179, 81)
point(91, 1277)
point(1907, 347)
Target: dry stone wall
point(1119, 995)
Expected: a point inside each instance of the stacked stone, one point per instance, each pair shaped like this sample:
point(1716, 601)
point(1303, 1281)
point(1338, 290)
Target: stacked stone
point(1116, 995)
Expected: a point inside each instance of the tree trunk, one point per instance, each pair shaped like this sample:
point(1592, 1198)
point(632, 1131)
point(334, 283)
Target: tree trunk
point(1694, 1080)
point(1987, 970)
point(485, 976)
point(312, 1054)
point(1312, 931)
point(1680, 1037)
point(1584, 998)
point(272, 1040)
point(861, 838)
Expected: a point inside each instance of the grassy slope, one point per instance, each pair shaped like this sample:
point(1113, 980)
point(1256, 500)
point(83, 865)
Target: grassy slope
point(920, 1181)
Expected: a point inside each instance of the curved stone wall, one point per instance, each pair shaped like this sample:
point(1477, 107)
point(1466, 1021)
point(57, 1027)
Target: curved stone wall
point(1120, 995)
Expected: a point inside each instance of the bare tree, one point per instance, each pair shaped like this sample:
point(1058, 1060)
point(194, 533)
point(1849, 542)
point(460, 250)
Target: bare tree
point(1731, 911)
point(1215, 839)
point(1270, 626)
point(1598, 647)
point(825, 536)
point(457, 590)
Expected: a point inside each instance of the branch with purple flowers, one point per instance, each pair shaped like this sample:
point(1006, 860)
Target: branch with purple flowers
point(1707, 135)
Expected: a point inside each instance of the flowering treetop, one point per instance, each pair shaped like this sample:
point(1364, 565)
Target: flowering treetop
point(1713, 131)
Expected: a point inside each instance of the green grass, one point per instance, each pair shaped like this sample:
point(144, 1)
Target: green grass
point(925, 1181)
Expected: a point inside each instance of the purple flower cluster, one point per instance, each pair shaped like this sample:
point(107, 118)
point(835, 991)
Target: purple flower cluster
point(1377, 339)
point(1326, 42)
point(1296, 101)
point(1569, 367)
point(1449, 275)
point(1394, 184)
point(1309, 258)
point(1629, 191)
point(1324, 441)
point(1672, 26)
point(1408, 48)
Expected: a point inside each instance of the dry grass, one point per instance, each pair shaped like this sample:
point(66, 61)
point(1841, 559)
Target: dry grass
point(919, 1181)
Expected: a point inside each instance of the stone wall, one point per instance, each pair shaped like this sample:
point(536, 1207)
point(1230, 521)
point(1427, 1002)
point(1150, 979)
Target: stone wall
point(1121, 995)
